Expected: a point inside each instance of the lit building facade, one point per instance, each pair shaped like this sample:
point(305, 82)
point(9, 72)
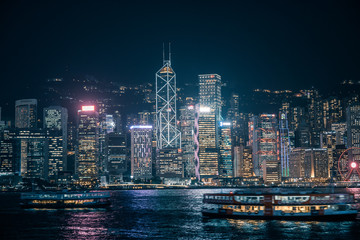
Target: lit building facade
point(284, 144)
point(340, 131)
point(353, 129)
point(243, 164)
point(187, 128)
point(210, 92)
point(226, 166)
point(297, 163)
point(55, 120)
point(208, 144)
point(33, 149)
point(117, 157)
point(265, 148)
point(7, 156)
point(167, 132)
point(26, 113)
point(316, 163)
point(87, 152)
point(141, 152)
point(169, 163)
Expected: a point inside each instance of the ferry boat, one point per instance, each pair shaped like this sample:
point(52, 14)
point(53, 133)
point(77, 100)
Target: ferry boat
point(281, 205)
point(65, 200)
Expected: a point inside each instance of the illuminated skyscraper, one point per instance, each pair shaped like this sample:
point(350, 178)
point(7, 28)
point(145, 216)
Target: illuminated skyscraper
point(141, 152)
point(210, 92)
point(7, 157)
point(284, 144)
point(33, 146)
point(26, 113)
point(353, 129)
point(340, 131)
point(167, 132)
point(169, 163)
point(87, 153)
point(328, 141)
point(117, 156)
point(243, 162)
point(265, 148)
point(226, 167)
point(55, 122)
point(208, 144)
point(297, 163)
point(316, 163)
point(187, 127)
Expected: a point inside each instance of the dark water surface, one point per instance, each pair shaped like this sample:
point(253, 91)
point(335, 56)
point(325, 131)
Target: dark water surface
point(154, 214)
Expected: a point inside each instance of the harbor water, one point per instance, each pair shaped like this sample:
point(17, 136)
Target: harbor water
point(155, 214)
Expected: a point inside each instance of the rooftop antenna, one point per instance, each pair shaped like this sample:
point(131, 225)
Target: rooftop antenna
point(163, 53)
point(170, 52)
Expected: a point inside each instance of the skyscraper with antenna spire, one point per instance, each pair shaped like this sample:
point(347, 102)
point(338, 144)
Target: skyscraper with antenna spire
point(167, 132)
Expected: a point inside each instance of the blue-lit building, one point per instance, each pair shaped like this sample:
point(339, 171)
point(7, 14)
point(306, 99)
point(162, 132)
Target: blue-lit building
point(284, 144)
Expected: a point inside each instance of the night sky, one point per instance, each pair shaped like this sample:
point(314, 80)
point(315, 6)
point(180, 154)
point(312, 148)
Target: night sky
point(252, 44)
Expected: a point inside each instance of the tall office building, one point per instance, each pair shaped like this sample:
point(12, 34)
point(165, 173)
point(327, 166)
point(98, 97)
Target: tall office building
point(26, 113)
point(340, 131)
point(316, 163)
point(243, 164)
point(187, 128)
point(265, 148)
point(297, 163)
point(7, 156)
point(208, 143)
point(167, 132)
point(226, 166)
point(109, 123)
point(141, 152)
point(210, 92)
point(117, 157)
point(284, 144)
point(33, 148)
point(328, 141)
point(169, 163)
point(353, 129)
point(55, 122)
point(87, 152)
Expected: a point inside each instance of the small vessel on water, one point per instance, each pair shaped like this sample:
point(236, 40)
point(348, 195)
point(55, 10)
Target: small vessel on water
point(281, 205)
point(65, 200)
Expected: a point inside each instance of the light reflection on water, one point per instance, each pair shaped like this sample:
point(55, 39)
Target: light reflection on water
point(155, 214)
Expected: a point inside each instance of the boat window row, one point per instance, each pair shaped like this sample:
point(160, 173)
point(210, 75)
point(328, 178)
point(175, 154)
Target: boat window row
point(292, 199)
point(216, 197)
point(244, 208)
point(249, 199)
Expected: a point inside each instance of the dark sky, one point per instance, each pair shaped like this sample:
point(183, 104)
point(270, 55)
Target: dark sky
point(252, 44)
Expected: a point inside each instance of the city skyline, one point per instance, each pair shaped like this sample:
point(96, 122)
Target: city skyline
point(161, 119)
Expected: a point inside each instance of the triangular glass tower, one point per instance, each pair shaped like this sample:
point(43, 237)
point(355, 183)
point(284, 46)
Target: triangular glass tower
point(167, 133)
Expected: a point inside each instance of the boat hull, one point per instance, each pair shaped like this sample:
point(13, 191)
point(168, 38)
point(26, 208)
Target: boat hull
point(337, 217)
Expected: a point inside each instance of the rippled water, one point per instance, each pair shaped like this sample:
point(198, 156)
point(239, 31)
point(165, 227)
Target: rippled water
point(154, 214)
